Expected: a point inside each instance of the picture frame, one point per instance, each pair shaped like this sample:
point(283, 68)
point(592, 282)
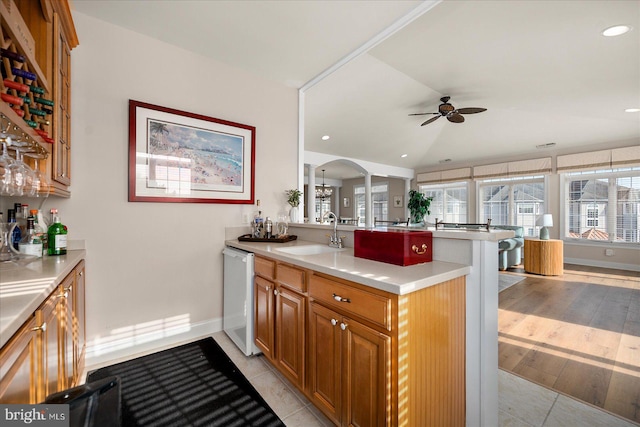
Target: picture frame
point(345, 202)
point(397, 201)
point(181, 157)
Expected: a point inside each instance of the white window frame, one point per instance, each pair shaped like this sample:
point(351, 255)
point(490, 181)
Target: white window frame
point(423, 188)
point(566, 178)
point(544, 179)
point(359, 190)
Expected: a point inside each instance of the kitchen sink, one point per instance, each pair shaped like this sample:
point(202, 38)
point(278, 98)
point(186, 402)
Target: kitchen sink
point(309, 250)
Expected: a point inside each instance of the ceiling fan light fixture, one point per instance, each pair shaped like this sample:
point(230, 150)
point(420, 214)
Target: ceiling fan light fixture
point(616, 30)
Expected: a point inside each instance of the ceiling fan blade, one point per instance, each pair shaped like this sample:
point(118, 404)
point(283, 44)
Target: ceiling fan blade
point(421, 114)
point(455, 118)
point(471, 110)
point(433, 119)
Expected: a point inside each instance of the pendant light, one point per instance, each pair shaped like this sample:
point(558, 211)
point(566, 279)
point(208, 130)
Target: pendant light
point(324, 191)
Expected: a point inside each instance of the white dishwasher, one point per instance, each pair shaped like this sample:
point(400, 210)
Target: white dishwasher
point(237, 319)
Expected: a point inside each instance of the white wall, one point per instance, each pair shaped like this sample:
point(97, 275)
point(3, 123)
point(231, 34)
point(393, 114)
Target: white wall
point(155, 269)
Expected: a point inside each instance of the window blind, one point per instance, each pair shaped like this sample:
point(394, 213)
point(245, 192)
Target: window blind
point(540, 166)
point(450, 175)
point(603, 159)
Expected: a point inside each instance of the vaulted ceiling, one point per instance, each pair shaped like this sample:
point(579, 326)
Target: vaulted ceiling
point(542, 69)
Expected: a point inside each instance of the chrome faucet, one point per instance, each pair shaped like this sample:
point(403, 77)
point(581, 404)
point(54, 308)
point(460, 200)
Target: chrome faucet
point(334, 240)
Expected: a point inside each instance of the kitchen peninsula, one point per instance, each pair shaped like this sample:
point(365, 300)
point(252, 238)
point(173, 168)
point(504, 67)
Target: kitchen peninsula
point(425, 302)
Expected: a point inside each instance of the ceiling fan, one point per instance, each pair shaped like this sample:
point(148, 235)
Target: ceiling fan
point(454, 115)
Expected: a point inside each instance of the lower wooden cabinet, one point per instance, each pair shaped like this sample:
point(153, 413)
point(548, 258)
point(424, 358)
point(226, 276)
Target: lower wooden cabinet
point(362, 356)
point(19, 375)
point(290, 334)
point(350, 370)
point(280, 319)
point(46, 355)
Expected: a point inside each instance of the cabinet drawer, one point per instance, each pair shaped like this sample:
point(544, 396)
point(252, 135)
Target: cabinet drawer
point(291, 277)
point(265, 267)
point(373, 307)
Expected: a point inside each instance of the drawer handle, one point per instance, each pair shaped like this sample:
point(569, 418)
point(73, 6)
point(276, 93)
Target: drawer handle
point(417, 250)
point(334, 322)
point(340, 299)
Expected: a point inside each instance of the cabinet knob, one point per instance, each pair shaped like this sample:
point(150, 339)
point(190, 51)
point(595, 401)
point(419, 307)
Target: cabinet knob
point(275, 292)
point(81, 273)
point(340, 299)
point(42, 328)
point(268, 288)
point(343, 326)
point(334, 322)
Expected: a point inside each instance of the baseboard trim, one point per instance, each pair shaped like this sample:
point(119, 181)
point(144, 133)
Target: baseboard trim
point(115, 349)
point(603, 264)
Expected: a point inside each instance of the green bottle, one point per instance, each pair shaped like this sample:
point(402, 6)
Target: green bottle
point(57, 238)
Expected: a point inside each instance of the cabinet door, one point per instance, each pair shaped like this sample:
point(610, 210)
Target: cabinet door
point(324, 361)
point(290, 335)
point(79, 320)
point(366, 370)
point(18, 366)
point(263, 316)
point(62, 117)
point(48, 318)
point(67, 291)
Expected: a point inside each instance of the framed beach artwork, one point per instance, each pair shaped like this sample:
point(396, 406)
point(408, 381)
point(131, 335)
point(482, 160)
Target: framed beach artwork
point(181, 157)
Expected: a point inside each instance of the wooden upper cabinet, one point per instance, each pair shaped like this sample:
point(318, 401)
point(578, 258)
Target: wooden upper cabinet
point(51, 26)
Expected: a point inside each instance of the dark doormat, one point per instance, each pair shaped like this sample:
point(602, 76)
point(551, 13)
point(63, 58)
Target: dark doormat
point(195, 384)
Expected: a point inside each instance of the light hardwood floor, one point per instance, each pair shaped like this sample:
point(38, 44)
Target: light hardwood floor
point(578, 334)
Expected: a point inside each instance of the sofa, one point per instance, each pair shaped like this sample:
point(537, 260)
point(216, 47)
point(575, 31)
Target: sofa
point(509, 250)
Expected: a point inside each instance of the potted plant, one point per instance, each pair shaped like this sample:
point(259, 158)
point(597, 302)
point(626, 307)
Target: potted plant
point(418, 206)
point(293, 198)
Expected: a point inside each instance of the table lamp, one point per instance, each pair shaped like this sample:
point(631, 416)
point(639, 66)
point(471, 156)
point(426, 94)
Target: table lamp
point(544, 221)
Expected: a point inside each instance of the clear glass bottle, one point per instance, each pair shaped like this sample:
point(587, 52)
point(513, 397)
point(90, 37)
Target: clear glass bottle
point(17, 234)
point(268, 228)
point(40, 229)
point(57, 238)
point(30, 244)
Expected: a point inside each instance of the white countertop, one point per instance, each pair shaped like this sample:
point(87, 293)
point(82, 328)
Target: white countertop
point(387, 277)
point(24, 288)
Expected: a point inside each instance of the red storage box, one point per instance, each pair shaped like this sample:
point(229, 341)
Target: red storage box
point(399, 247)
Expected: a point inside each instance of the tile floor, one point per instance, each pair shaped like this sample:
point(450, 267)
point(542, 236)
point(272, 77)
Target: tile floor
point(521, 402)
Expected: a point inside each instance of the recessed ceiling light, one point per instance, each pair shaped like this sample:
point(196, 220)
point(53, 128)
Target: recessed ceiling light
point(632, 110)
point(324, 138)
point(616, 30)
point(403, 156)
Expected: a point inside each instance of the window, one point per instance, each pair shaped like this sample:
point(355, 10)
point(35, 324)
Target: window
point(449, 202)
point(512, 201)
point(379, 198)
point(322, 207)
point(602, 205)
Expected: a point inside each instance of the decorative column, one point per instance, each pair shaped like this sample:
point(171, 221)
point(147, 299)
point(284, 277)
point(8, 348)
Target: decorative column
point(368, 211)
point(311, 195)
point(405, 199)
